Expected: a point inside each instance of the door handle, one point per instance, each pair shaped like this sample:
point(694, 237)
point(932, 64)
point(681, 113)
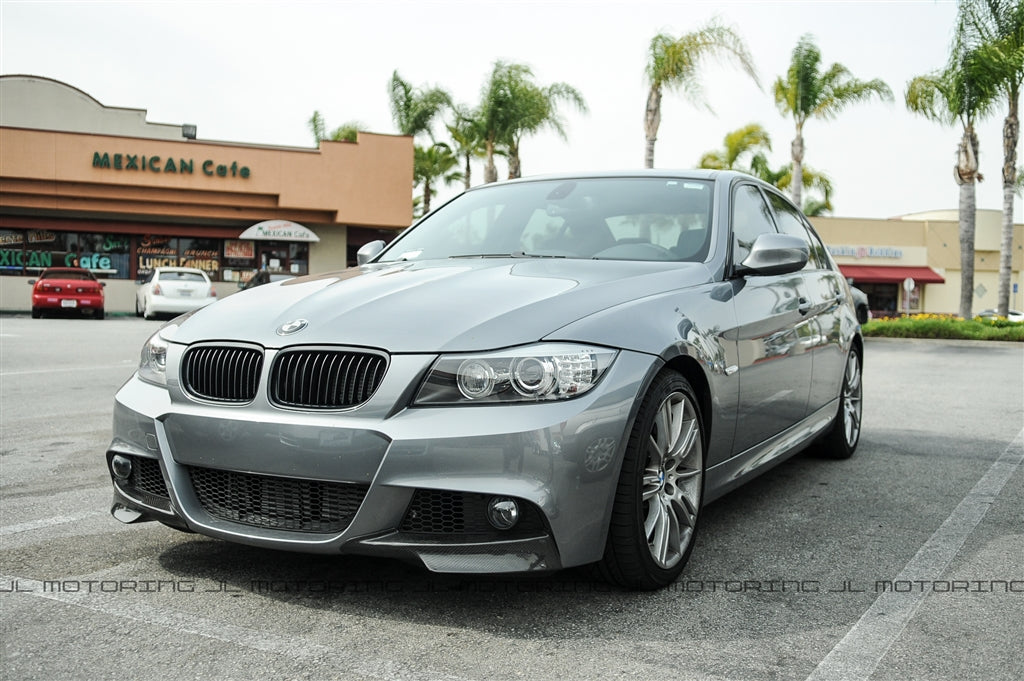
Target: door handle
point(805, 306)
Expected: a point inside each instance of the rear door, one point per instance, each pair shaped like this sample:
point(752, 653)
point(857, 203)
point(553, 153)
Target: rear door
point(825, 291)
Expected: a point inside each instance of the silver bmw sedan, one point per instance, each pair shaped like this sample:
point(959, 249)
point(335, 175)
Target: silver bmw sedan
point(540, 374)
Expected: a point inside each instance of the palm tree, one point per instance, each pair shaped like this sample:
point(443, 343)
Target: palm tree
point(343, 133)
point(536, 109)
point(432, 164)
point(995, 28)
point(673, 63)
point(750, 139)
point(959, 93)
point(808, 92)
point(783, 179)
point(467, 139)
point(512, 106)
point(415, 109)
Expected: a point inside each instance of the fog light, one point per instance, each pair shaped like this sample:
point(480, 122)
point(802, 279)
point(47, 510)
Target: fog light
point(121, 467)
point(502, 513)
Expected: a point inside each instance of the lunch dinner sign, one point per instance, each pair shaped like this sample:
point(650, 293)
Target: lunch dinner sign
point(279, 230)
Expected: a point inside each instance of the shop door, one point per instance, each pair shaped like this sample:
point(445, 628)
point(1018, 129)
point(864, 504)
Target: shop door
point(274, 259)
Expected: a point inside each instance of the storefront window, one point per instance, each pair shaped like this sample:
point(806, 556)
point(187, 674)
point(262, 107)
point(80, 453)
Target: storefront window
point(28, 252)
point(156, 251)
point(239, 260)
point(202, 254)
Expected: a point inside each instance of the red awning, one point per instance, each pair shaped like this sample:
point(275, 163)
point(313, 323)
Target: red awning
point(884, 274)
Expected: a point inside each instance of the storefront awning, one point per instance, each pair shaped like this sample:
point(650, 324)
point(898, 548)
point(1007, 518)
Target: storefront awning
point(279, 230)
point(884, 274)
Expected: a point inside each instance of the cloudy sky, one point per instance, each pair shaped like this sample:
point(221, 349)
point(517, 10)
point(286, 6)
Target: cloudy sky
point(255, 71)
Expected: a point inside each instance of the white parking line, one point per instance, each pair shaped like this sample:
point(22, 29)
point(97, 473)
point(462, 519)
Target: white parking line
point(46, 522)
point(862, 649)
point(254, 639)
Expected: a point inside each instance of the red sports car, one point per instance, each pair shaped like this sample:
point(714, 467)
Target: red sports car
point(67, 289)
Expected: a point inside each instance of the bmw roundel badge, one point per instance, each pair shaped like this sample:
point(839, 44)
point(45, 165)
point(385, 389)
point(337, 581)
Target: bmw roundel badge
point(294, 326)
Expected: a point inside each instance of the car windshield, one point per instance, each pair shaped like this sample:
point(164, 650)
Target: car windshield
point(600, 218)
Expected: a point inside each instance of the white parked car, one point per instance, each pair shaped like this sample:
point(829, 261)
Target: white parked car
point(1011, 315)
point(174, 291)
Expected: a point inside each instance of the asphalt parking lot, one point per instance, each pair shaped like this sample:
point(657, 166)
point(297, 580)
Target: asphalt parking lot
point(904, 562)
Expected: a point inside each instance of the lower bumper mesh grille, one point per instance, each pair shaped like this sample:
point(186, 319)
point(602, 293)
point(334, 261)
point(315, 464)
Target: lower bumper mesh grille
point(277, 503)
point(439, 512)
point(146, 483)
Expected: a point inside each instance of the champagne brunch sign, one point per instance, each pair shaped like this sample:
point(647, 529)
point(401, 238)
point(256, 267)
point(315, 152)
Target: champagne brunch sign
point(279, 230)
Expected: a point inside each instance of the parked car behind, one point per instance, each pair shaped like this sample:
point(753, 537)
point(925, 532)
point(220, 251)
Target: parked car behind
point(174, 291)
point(860, 304)
point(67, 289)
point(1011, 315)
point(539, 374)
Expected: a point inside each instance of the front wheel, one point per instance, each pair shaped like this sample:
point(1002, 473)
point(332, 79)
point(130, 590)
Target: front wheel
point(660, 489)
point(843, 435)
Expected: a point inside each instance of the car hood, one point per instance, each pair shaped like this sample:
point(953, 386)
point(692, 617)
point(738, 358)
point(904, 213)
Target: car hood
point(434, 306)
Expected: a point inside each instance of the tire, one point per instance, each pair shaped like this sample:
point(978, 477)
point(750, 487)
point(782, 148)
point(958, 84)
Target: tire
point(660, 490)
point(138, 308)
point(840, 442)
point(99, 313)
point(36, 313)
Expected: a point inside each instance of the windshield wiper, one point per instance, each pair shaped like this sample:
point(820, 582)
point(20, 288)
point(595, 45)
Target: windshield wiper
point(516, 254)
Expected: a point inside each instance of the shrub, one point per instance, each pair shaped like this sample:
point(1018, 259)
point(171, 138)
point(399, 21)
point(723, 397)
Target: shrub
point(945, 326)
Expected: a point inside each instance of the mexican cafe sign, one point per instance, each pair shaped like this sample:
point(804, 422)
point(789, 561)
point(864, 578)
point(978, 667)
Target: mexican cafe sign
point(279, 230)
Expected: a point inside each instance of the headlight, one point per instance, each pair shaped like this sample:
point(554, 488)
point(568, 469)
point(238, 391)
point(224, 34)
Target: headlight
point(153, 361)
point(555, 371)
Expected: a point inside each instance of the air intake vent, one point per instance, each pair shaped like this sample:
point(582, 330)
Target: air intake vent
point(222, 373)
point(325, 379)
point(277, 503)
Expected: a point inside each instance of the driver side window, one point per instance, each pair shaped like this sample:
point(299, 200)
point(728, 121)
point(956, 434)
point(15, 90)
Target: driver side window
point(750, 219)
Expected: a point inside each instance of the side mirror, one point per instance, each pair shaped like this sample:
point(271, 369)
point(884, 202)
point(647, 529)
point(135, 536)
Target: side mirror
point(774, 254)
point(369, 251)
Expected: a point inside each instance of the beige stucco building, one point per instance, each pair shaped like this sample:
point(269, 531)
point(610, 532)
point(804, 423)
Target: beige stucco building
point(101, 187)
point(879, 255)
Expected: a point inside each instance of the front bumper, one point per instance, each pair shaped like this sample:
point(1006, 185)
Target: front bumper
point(382, 479)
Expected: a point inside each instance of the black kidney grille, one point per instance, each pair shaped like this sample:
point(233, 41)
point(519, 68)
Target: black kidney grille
point(277, 503)
point(222, 373)
point(325, 379)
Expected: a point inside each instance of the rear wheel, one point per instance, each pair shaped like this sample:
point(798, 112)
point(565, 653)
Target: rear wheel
point(36, 313)
point(844, 434)
point(660, 490)
point(99, 313)
point(138, 308)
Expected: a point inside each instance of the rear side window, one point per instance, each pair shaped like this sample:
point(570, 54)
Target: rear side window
point(751, 218)
point(792, 222)
point(182, 276)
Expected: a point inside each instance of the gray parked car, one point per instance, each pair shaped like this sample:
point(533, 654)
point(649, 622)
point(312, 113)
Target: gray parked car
point(539, 374)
